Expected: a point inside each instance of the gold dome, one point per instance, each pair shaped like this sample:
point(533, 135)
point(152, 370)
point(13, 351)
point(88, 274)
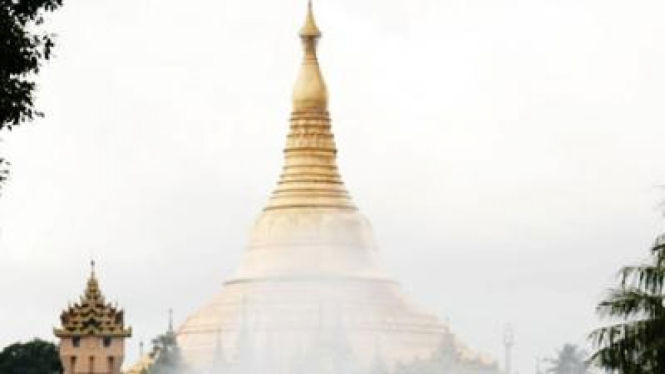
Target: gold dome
point(311, 278)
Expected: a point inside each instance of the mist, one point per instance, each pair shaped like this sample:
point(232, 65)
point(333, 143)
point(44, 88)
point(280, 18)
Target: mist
point(508, 155)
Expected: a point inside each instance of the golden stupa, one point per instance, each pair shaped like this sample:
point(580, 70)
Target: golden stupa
point(311, 291)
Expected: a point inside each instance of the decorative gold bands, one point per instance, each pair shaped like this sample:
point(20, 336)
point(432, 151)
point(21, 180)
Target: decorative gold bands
point(311, 206)
point(313, 114)
point(310, 178)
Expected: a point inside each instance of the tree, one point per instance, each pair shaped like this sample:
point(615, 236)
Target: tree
point(167, 355)
point(569, 360)
point(635, 340)
point(34, 357)
point(4, 171)
point(23, 49)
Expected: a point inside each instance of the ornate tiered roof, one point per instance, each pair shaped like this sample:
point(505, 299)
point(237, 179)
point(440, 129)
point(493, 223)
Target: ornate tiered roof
point(92, 315)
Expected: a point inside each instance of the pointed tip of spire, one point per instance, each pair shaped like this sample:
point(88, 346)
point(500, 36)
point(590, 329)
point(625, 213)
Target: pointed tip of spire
point(310, 29)
point(170, 319)
point(310, 92)
point(92, 280)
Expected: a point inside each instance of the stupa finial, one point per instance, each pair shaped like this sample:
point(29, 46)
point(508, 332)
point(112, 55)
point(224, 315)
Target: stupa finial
point(310, 92)
point(309, 29)
point(310, 178)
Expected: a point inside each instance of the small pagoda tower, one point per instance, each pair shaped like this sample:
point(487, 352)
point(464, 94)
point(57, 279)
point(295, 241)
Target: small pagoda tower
point(92, 335)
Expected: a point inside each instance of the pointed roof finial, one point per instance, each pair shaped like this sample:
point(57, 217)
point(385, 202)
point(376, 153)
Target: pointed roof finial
point(309, 29)
point(170, 319)
point(92, 289)
point(310, 92)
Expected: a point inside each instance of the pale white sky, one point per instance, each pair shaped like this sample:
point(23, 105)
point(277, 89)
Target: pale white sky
point(507, 152)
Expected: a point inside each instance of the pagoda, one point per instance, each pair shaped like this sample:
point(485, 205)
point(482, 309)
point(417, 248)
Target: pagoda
point(311, 294)
point(92, 333)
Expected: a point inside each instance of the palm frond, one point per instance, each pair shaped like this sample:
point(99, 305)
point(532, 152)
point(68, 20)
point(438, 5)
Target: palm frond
point(636, 343)
point(631, 303)
point(646, 277)
point(632, 346)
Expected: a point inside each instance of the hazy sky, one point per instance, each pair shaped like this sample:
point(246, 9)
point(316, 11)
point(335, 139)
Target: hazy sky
point(508, 153)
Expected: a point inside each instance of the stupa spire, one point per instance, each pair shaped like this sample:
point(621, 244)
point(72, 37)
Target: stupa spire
point(310, 92)
point(310, 29)
point(310, 178)
point(311, 245)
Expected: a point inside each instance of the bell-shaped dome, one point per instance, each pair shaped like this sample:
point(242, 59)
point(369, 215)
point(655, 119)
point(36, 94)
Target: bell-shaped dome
point(311, 285)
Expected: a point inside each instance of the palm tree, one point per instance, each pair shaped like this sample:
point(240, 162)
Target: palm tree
point(569, 360)
point(634, 342)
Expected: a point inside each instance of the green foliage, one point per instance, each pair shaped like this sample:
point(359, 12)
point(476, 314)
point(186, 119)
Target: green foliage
point(34, 357)
point(569, 360)
point(23, 48)
point(167, 355)
point(4, 171)
point(635, 340)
